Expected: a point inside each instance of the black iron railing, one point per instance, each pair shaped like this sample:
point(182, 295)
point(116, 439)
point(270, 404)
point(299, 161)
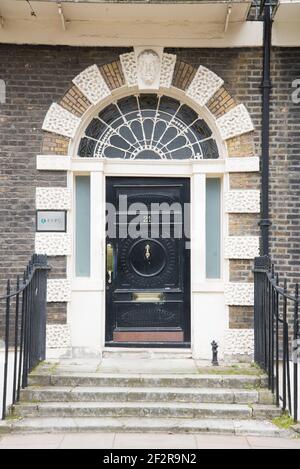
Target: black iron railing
point(24, 327)
point(276, 333)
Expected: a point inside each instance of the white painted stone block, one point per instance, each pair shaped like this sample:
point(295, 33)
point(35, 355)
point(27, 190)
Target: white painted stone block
point(242, 201)
point(241, 247)
point(235, 122)
point(92, 84)
point(239, 294)
point(53, 244)
point(204, 85)
point(129, 67)
point(58, 290)
point(60, 121)
point(242, 165)
point(53, 198)
point(167, 70)
point(58, 336)
point(239, 342)
point(53, 162)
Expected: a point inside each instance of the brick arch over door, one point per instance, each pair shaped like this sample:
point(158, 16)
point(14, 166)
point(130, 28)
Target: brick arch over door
point(200, 86)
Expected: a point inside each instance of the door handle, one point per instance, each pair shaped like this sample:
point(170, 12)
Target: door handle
point(109, 273)
point(109, 262)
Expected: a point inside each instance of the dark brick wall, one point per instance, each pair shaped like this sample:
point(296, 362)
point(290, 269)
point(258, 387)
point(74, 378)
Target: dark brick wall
point(36, 76)
point(241, 317)
point(285, 164)
point(57, 313)
point(240, 70)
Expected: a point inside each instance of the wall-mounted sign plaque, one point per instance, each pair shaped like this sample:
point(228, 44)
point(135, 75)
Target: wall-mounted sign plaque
point(51, 220)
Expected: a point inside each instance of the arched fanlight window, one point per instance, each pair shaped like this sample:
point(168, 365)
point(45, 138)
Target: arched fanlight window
point(148, 127)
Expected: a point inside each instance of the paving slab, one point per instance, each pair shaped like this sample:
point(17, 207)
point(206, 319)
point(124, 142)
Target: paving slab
point(222, 442)
point(282, 443)
point(104, 440)
point(157, 441)
point(27, 446)
point(88, 441)
point(42, 441)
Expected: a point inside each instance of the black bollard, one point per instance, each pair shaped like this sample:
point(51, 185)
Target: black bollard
point(214, 347)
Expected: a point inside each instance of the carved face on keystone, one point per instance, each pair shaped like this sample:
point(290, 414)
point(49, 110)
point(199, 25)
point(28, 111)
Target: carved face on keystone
point(148, 66)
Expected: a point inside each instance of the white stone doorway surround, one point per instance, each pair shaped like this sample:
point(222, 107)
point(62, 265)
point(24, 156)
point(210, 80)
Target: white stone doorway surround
point(85, 297)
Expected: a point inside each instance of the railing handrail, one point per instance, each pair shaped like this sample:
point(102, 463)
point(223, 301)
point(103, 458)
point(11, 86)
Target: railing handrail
point(26, 282)
point(281, 290)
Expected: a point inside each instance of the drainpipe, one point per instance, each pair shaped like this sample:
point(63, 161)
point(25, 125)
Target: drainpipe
point(265, 133)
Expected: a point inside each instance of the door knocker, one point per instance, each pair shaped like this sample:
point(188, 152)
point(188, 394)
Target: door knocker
point(147, 252)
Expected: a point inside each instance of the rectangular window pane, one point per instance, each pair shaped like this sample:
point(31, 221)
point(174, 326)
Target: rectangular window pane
point(213, 227)
point(82, 226)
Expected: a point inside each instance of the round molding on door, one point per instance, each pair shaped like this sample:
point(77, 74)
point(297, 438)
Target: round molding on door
point(129, 274)
point(147, 267)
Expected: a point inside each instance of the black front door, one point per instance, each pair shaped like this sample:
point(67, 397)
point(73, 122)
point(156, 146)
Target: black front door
point(147, 262)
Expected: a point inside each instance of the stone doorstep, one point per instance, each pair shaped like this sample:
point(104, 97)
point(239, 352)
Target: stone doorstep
point(146, 353)
point(127, 364)
point(143, 425)
point(134, 380)
point(77, 394)
point(149, 409)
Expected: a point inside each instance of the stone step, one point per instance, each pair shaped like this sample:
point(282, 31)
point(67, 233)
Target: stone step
point(135, 394)
point(249, 427)
point(146, 353)
point(141, 409)
point(151, 380)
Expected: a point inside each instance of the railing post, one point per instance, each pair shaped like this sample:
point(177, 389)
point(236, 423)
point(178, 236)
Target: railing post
point(284, 352)
point(295, 350)
point(21, 358)
point(16, 341)
point(277, 342)
point(41, 284)
point(261, 267)
point(6, 357)
point(272, 308)
point(25, 343)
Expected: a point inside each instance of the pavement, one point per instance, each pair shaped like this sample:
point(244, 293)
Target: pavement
point(140, 441)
